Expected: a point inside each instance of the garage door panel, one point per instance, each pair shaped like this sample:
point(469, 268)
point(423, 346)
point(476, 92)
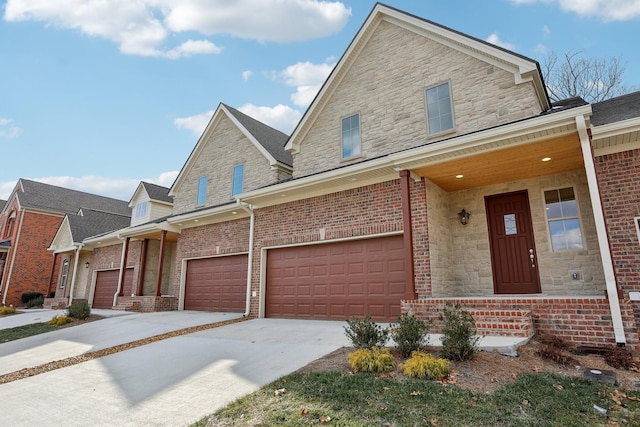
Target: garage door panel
point(216, 284)
point(107, 285)
point(365, 277)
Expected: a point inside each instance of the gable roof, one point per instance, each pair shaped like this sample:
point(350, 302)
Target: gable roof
point(523, 69)
point(50, 198)
point(91, 223)
point(2, 203)
point(616, 109)
point(269, 141)
point(157, 192)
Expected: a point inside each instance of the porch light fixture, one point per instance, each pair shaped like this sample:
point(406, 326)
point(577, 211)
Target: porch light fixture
point(86, 264)
point(464, 217)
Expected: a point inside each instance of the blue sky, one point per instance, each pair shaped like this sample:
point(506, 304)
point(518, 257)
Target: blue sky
point(98, 96)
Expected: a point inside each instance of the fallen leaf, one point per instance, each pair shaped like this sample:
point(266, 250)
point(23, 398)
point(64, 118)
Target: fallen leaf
point(434, 421)
point(415, 393)
point(536, 369)
point(280, 391)
point(325, 419)
point(525, 402)
point(558, 386)
point(615, 408)
point(514, 376)
point(304, 412)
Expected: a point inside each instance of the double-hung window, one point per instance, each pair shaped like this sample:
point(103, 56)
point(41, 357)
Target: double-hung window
point(202, 191)
point(351, 144)
point(141, 210)
point(562, 216)
point(439, 109)
point(238, 179)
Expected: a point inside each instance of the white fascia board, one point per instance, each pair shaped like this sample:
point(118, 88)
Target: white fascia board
point(71, 248)
point(103, 238)
point(206, 213)
point(616, 128)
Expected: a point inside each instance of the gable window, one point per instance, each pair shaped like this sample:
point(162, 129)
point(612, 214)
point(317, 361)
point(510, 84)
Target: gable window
point(439, 109)
point(562, 217)
point(10, 222)
point(351, 145)
point(202, 191)
point(64, 273)
point(141, 210)
point(238, 178)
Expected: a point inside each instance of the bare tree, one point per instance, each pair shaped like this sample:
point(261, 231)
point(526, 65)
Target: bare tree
point(592, 79)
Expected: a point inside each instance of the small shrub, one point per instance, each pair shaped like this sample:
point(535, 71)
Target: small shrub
point(555, 354)
point(7, 310)
point(409, 334)
point(458, 333)
point(79, 310)
point(60, 320)
point(553, 341)
point(32, 299)
point(372, 359)
point(365, 333)
point(619, 358)
point(424, 366)
point(35, 302)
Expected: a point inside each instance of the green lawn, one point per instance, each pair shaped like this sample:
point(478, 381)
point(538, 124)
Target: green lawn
point(337, 399)
point(18, 332)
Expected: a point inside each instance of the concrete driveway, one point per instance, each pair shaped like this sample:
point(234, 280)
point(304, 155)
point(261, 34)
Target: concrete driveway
point(172, 382)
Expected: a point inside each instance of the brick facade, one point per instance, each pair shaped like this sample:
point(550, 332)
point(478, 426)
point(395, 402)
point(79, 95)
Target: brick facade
point(618, 177)
point(31, 262)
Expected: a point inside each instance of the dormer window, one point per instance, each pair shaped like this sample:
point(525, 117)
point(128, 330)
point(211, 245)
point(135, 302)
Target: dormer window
point(439, 109)
point(202, 191)
point(351, 144)
point(238, 180)
point(141, 210)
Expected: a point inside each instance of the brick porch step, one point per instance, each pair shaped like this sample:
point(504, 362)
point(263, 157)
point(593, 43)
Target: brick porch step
point(506, 323)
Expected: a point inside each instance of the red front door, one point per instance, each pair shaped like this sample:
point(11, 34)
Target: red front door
point(513, 253)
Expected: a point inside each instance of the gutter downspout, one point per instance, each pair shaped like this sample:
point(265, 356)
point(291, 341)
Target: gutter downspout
point(123, 268)
point(249, 208)
point(14, 247)
point(75, 272)
point(601, 231)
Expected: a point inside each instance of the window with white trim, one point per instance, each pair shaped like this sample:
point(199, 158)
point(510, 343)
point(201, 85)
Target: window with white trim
point(351, 144)
point(64, 273)
point(202, 191)
point(563, 220)
point(439, 109)
point(238, 179)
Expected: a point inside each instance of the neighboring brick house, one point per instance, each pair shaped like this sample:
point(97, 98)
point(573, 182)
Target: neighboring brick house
point(28, 223)
point(430, 169)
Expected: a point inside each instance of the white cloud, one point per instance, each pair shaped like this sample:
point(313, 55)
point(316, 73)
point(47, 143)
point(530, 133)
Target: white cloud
point(246, 75)
point(7, 130)
point(541, 49)
point(264, 20)
point(142, 27)
point(606, 10)
point(6, 188)
point(307, 78)
point(195, 124)
point(546, 31)
point(281, 117)
point(494, 39)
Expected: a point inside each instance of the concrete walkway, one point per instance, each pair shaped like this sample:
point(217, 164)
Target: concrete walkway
point(172, 382)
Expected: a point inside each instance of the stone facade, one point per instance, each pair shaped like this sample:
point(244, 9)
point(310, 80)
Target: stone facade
point(386, 85)
point(225, 147)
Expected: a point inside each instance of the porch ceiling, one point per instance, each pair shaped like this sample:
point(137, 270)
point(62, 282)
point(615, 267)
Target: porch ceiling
point(505, 165)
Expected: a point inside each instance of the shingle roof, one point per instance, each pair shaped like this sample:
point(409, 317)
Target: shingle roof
point(92, 223)
point(2, 203)
point(616, 109)
point(271, 139)
point(157, 192)
point(51, 198)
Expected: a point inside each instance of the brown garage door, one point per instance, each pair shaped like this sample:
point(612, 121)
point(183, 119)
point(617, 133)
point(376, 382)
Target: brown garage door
point(337, 280)
point(107, 284)
point(216, 284)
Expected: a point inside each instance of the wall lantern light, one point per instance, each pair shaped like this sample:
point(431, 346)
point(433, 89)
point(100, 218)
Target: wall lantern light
point(86, 264)
point(464, 217)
